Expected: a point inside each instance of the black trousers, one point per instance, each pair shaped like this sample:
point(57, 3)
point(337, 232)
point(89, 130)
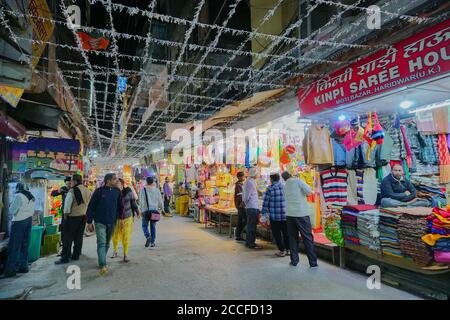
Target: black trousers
point(252, 221)
point(280, 234)
point(166, 204)
point(302, 225)
point(242, 221)
point(73, 231)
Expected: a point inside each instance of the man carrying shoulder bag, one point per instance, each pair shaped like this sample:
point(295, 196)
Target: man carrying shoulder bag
point(75, 208)
point(151, 203)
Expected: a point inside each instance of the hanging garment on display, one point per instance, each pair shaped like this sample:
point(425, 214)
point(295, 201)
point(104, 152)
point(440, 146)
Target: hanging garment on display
point(370, 186)
point(318, 146)
point(425, 121)
point(383, 154)
point(440, 119)
point(334, 186)
point(428, 149)
point(377, 131)
point(360, 186)
point(444, 159)
point(356, 158)
point(352, 197)
point(398, 149)
point(339, 154)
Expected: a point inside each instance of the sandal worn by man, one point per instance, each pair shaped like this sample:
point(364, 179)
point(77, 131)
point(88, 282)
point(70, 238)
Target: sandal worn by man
point(280, 254)
point(115, 255)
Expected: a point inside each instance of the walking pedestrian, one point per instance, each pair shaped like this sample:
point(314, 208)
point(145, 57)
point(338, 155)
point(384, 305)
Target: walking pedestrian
point(124, 226)
point(75, 208)
point(104, 209)
point(240, 206)
point(151, 203)
point(22, 210)
point(167, 191)
point(250, 198)
point(274, 204)
point(297, 217)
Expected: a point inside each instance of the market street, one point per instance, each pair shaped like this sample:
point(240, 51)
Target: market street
point(191, 262)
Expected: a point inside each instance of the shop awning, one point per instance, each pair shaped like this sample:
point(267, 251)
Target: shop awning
point(234, 109)
point(10, 127)
point(38, 115)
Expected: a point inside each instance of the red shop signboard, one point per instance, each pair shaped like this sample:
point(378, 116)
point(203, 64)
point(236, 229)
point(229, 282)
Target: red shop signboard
point(422, 56)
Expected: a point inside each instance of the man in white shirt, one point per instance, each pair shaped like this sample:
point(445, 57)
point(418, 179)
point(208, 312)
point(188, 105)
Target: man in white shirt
point(297, 217)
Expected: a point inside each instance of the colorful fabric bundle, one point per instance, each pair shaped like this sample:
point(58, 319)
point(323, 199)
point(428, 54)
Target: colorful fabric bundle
point(368, 233)
point(332, 226)
point(439, 237)
point(349, 222)
point(388, 226)
point(411, 228)
point(444, 159)
point(334, 186)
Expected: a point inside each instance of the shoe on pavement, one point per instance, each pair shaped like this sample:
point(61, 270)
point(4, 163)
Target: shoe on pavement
point(125, 259)
point(153, 245)
point(115, 255)
point(280, 254)
point(8, 275)
point(103, 271)
point(61, 262)
point(314, 266)
point(75, 258)
point(293, 264)
point(147, 242)
point(23, 270)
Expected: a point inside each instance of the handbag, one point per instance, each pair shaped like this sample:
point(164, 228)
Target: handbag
point(151, 215)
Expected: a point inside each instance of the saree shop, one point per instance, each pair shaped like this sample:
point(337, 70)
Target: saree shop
point(366, 149)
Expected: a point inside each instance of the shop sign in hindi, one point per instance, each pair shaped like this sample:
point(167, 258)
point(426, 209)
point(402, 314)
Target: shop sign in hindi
point(42, 30)
point(422, 56)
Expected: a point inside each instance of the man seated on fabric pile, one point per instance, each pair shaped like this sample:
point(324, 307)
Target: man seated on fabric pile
point(397, 191)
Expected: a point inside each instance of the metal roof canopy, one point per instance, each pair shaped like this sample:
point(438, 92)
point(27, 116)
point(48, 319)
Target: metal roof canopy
point(422, 93)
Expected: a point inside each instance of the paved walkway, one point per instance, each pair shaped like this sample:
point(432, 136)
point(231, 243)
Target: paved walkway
point(190, 262)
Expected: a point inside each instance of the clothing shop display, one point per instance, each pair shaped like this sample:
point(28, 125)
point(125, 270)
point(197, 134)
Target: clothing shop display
point(339, 154)
point(370, 186)
point(388, 226)
point(317, 146)
point(444, 159)
point(439, 237)
point(412, 226)
point(368, 233)
point(334, 186)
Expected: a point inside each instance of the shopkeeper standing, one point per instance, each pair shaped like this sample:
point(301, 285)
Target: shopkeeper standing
point(297, 217)
point(250, 198)
point(240, 206)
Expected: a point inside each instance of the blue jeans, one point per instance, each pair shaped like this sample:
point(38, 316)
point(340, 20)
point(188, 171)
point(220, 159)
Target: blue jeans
point(152, 229)
point(19, 241)
point(392, 203)
point(104, 233)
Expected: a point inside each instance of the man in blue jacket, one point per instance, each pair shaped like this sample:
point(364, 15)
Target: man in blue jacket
point(397, 191)
point(104, 208)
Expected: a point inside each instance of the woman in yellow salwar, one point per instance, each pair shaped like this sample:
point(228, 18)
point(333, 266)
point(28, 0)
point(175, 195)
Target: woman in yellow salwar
point(124, 226)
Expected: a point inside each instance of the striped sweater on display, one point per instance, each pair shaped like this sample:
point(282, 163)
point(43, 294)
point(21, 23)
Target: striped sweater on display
point(334, 186)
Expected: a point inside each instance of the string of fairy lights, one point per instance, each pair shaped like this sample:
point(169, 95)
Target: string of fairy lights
point(246, 81)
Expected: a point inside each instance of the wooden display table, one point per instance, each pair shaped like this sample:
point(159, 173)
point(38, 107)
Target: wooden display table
point(231, 212)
